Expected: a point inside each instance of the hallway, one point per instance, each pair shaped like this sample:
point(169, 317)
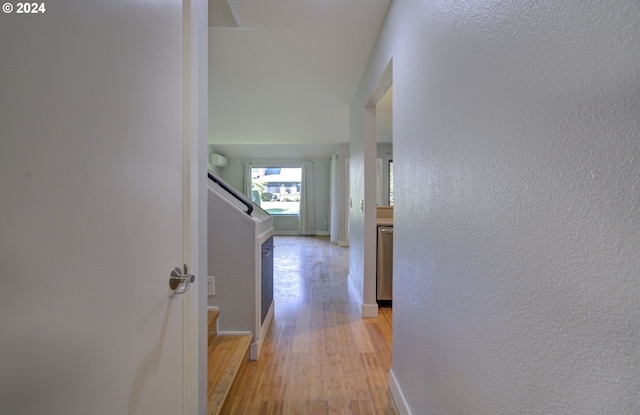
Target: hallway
point(319, 357)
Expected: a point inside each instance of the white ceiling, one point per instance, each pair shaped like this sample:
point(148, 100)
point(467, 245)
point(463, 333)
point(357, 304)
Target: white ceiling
point(282, 73)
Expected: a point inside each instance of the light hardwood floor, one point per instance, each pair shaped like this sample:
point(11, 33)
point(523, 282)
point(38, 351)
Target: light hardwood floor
point(320, 356)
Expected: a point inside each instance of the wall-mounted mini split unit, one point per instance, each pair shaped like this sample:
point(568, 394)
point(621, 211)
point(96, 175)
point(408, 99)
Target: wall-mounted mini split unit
point(219, 161)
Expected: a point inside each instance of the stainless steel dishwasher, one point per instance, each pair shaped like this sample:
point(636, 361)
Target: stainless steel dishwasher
point(384, 286)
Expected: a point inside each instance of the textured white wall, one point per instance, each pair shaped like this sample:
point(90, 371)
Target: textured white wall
point(517, 216)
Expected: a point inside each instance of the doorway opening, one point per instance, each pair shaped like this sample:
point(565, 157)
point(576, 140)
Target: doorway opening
point(379, 139)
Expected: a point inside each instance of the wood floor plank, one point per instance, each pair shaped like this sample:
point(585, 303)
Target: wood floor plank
point(317, 407)
point(271, 408)
point(361, 408)
point(319, 356)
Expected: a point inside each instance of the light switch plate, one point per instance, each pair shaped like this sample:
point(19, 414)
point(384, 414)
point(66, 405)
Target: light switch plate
point(211, 287)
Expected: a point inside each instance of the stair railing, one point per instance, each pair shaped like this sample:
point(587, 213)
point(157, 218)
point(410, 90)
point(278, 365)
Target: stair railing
point(232, 192)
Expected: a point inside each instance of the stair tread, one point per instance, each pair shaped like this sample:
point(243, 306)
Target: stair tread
point(226, 354)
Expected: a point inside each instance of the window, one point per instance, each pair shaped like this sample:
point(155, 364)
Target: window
point(277, 189)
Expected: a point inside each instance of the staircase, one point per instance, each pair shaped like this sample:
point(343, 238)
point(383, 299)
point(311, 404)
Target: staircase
point(226, 354)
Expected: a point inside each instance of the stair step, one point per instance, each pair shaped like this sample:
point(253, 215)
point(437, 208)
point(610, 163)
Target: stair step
point(226, 354)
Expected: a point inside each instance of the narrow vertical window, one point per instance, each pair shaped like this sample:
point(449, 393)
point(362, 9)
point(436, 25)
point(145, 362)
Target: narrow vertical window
point(390, 182)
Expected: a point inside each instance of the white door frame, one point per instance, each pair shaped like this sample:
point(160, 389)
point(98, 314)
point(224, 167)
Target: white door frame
point(195, 38)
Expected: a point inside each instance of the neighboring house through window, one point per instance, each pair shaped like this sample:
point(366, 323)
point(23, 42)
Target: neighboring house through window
point(277, 189)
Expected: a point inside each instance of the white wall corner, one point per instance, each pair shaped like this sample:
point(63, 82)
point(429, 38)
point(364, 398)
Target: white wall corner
point(398, 397)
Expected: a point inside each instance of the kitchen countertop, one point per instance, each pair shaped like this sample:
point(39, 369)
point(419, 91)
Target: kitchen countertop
point(384, 215)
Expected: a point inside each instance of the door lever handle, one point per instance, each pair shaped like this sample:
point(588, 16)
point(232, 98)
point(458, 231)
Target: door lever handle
point(179, 280)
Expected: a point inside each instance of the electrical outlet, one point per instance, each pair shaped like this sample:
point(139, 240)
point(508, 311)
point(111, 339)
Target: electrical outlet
point(211, 287)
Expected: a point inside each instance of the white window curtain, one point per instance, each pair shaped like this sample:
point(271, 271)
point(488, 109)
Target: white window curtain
point(306, 220)
point(334, 218)
point(247, 179)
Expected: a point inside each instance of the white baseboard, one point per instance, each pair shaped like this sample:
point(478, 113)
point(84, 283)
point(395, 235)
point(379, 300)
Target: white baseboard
point(366, 310)
point(256, 346)
point(296, 233)
point(370, 310)
point(343, 243)
point(398, 397)
point(235, 333)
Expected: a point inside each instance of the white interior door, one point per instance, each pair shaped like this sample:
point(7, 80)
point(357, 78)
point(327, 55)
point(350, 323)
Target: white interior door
point(91, 211)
